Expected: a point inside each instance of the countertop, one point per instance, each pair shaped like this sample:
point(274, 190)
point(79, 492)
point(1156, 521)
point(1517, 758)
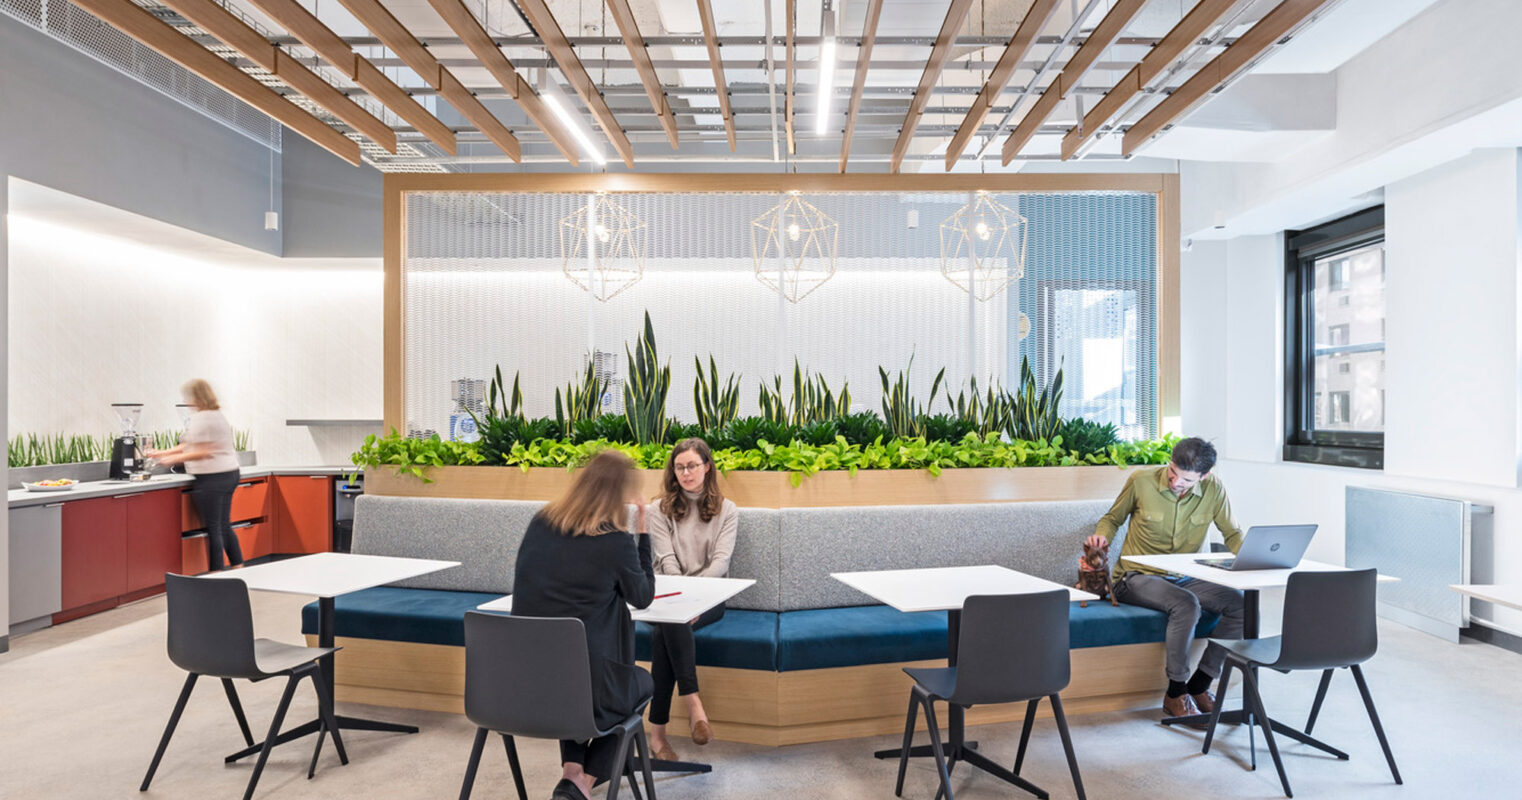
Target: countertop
point(21, 498)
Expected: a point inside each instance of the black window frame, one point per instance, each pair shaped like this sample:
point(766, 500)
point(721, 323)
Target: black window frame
point(1302, 442)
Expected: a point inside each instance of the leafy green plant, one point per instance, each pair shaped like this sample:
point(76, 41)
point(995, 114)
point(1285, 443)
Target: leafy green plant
point(34, 450)
point(812, 399)
point(414, 456)
point(778, 432)
point(901, 411)
point(819, 433)
point(240, 440)
point(862, 428)
point(1034, 416)
point(988, 412)
point(1086, 437)
point(581, 402)
point(645, 391)
point(715, 406)
point(501, 403)
point(613, 428)
point(677, 431)
point(944, 427)
point(745, 432)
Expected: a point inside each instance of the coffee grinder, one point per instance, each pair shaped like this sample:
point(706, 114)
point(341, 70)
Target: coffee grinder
point(126, 456)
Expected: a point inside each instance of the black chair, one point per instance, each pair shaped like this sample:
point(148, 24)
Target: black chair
point(1011, 648)
point(530, 676)
point(211, 633)
point(1329, 624)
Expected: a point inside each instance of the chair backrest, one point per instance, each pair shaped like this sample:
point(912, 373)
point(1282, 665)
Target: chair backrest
point(1329, 620)
point(1012, 647)
point(211, 626)
point(528, 676)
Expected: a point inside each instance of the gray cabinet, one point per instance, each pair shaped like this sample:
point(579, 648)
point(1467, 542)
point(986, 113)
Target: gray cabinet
point(36, 563)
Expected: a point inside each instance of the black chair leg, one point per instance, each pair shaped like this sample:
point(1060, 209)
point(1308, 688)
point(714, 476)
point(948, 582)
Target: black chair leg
point(1220, 700)
point(1025, 733)
point(621, 761)
point(903, 758)
point(643, 747)
point(232, 699)
point(269, 739)
point(937, 750)
point(512, 761)
point(1379, 730)
point(473, 763)
point(1326, 680)
point(956, 742)
point(325, 713)
point(174, 719)
point(1067, 745)
point(322, 733)
point(1251, 682)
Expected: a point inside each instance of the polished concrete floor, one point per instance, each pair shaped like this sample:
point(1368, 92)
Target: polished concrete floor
point(82, 706)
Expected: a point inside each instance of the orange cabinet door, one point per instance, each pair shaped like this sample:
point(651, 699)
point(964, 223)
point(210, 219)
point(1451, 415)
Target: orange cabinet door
point(194, 559)
point(255, 539)
point(94, 551)
point(153, 537)
point(248, 500)
point(303, 513)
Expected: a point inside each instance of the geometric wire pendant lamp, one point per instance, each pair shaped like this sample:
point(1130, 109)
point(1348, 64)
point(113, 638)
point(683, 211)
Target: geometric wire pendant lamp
point(983, 246)
point(794, 245)
point(602, 247)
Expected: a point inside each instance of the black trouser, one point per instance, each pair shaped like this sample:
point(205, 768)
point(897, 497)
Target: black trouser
point(596, 757)
point(674, 663)
point(213, 496)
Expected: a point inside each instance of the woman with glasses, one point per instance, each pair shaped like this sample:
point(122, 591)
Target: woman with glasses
point(692, 532)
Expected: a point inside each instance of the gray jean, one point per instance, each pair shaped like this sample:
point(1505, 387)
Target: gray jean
point(1182, 599)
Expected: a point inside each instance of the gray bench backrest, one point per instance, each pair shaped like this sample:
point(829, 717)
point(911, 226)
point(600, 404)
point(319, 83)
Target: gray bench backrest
point(483, 535)
point(758, 555)
point(1039, 538)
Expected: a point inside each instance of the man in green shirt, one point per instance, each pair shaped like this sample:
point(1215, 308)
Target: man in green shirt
point(1171, 508)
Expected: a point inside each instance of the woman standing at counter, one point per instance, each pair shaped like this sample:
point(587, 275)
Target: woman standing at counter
point(207, 452)
point(692, 532)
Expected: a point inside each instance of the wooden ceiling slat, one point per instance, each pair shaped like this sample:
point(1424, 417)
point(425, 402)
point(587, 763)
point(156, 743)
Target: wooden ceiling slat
point(464, 23)
point(394, 35)
point(863, 59)
point(1188, 30)
point(1036, 17)
point(564, 54)
point(787, 105)
point(1238, 56)
point(955, 16)
point(623, 17)
point(1103, 35)
point(132, 20)
point(721, 86)
point(310, 31)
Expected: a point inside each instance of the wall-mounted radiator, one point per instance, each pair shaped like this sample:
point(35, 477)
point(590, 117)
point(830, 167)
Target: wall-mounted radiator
point(1424, 541)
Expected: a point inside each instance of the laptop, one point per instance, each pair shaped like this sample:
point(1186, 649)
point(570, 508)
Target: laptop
point(1266, 547)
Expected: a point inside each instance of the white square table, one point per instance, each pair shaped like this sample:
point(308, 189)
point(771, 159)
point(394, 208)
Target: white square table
point(686, 597)
point(1505, 594)
point(1249, 582)
point(946, 589)
point(325, 576)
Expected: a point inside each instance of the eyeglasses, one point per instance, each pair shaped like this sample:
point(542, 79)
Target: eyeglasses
point(686, 468)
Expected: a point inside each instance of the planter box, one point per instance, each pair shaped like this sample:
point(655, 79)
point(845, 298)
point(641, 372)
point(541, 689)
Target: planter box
point(775, 489)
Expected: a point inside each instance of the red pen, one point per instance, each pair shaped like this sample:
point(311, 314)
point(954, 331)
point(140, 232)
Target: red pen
point(668, 594)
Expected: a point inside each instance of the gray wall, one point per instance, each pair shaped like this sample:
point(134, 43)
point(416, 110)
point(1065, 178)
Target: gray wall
point(332, 209)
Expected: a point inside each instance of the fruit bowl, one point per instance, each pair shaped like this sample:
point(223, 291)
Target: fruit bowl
point(55, 485)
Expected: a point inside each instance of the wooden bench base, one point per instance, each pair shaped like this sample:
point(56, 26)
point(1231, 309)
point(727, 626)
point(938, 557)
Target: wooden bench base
point(756, 706)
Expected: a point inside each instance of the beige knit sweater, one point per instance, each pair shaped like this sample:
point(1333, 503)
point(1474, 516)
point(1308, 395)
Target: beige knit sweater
point(692, 546)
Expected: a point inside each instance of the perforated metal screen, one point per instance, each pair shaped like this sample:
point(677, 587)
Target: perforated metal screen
point(485, 285)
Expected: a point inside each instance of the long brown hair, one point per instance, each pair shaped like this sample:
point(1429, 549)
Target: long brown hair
point(597, 500)
point(673, 502)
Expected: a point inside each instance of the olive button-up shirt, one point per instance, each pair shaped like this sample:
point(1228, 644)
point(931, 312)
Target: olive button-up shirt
point(1163, 522)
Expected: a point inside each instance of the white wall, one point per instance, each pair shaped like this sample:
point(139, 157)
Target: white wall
point(95, 319)
point(1452, 362)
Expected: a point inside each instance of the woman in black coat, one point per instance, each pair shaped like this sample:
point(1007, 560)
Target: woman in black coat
point(577, 561)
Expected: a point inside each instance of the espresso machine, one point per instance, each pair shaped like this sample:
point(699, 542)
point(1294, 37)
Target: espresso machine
point(126, 450)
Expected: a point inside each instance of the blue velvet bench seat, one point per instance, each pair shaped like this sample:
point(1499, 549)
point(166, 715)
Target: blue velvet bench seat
point(758, 640)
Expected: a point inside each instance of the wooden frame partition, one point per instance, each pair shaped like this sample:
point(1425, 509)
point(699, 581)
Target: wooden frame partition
point(1164, 186)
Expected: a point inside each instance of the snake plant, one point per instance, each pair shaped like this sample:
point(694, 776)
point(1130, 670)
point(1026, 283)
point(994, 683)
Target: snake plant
point(645, 391)
point(715, 406)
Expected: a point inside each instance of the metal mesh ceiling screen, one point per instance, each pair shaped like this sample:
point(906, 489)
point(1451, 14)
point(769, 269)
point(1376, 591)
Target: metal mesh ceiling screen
point(487, 282)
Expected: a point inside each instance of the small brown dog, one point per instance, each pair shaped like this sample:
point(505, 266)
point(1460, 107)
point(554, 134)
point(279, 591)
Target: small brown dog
point(1094, 574)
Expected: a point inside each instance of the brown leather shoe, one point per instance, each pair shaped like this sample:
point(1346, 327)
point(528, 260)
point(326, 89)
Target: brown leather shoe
point(666, 754)
point(702, 732)
point(1204, 701)
point(1181, 706)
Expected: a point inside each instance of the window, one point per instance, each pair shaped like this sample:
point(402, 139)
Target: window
point(1092, 330)
point(1335, 342)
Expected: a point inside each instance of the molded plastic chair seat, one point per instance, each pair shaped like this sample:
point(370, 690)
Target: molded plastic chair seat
point(211, 632)
point(939, 681)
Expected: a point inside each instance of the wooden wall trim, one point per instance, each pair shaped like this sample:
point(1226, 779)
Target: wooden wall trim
point(393, 353)
point(1168, 308)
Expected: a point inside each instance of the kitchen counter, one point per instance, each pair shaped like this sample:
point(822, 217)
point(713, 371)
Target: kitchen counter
point(21, 498)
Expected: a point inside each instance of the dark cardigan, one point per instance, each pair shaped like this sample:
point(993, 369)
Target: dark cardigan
point(591, 578)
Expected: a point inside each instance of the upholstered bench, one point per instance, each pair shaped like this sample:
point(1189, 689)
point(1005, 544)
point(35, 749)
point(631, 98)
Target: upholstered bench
point(797, 657)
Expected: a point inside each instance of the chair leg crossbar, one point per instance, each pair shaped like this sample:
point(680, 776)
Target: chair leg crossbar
point(945, 762)
point(327, 723)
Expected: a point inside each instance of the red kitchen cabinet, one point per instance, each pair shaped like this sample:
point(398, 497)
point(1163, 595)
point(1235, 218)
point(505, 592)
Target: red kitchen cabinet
point(249, 503)
point(194, 559)
point(303, 513)
point(153, 538)
point(255, 540)
point(94, 551)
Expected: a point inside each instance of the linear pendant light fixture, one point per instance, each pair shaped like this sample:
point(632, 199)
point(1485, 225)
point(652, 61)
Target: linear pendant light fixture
point(826, 66)
point(549, 92)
